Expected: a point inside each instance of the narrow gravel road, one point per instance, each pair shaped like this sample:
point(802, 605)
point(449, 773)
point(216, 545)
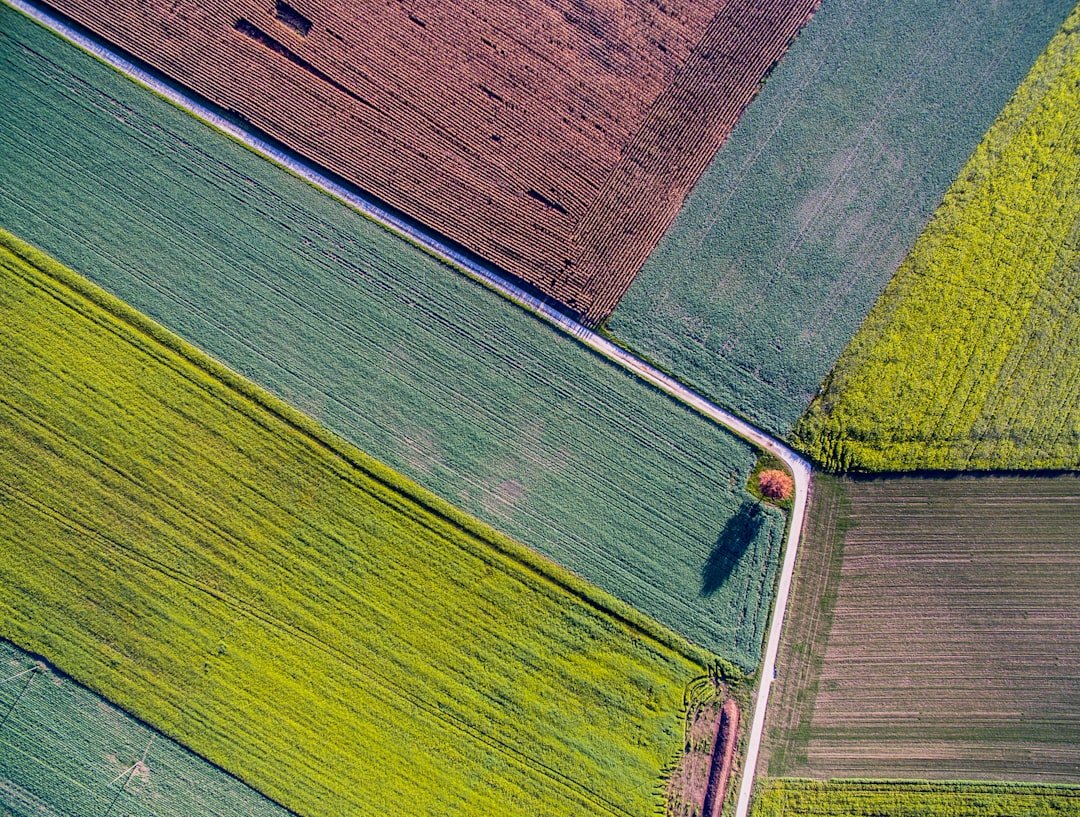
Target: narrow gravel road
point(490, 276)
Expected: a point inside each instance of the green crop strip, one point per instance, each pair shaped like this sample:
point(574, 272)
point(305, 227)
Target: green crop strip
point(67, 753)
point(969, 359)
point(806, 212)
point(893, 798)
point(404, 357)
point(340, 639)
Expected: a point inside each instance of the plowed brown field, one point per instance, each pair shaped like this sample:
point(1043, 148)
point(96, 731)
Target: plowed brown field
point(933, 632)
point(554, 138)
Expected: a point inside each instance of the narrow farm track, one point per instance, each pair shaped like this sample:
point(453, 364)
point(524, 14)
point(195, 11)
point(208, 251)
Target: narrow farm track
point(493, 279)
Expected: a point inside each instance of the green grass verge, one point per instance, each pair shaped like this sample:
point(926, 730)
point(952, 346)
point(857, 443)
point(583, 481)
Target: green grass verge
point(409, 360)
point(215, 563)
point(64, 752)
point(805, 213)
point(969, 359)
point(768, 462)
point(891, 798)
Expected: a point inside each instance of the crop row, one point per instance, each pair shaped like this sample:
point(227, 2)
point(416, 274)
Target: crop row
point(288, 608)
point(557, 146)
point(932, 632)
point(406, 358)
point(891, 798)
point(968, 360)
point(810, 206)
point(685, 126)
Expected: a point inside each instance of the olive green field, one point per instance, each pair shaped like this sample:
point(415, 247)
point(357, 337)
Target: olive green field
point(932, 632)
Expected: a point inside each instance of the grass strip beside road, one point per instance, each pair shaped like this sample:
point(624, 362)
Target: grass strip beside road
point(894, 798)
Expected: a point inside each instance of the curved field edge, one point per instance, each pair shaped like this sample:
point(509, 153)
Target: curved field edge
point(785, 243)
point(66, 752)
point(481, 402)
point(967, 362)
point(128, 564)
point(793, 797)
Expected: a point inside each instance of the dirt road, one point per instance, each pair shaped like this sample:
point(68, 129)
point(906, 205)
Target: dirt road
point(491, 277)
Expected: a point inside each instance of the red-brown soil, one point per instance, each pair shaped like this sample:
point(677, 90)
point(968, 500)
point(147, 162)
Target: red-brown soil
point(554, 138)
point(723, 755)
point(699, 782)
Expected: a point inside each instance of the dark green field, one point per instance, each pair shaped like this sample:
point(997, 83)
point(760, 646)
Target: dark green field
point(406, 358)
point(933, 632)
point(811, 205)
point(64, 752)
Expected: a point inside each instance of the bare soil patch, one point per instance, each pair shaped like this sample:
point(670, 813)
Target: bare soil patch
point(933, 632)
point(554, 139)
point(700, 780)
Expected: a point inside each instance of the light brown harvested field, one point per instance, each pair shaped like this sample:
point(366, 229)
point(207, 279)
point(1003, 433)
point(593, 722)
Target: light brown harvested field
point(554, 138)
point(934, 632)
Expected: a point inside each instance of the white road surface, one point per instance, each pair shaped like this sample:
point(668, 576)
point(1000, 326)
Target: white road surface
point(490, 276)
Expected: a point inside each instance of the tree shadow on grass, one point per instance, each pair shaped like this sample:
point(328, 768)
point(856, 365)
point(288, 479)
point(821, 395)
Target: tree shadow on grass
point(732, 543)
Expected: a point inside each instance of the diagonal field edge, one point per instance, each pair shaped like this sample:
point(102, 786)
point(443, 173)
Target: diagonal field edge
point(489, 276)
point(66, 286)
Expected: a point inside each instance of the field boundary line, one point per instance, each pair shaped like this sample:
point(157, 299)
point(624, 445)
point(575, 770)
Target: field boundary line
point(493, 279)
point(479, 537)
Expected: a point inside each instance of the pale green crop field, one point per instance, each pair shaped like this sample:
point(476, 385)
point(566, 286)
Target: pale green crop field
point(65, 752)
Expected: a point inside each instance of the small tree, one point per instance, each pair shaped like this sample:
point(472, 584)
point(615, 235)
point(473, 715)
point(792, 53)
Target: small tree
point(776, 484)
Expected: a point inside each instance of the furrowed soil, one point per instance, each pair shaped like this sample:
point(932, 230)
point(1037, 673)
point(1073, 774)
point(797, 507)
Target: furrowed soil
point(408, 359)
point(934, 632)
point(223, 568)
point(555, 140)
